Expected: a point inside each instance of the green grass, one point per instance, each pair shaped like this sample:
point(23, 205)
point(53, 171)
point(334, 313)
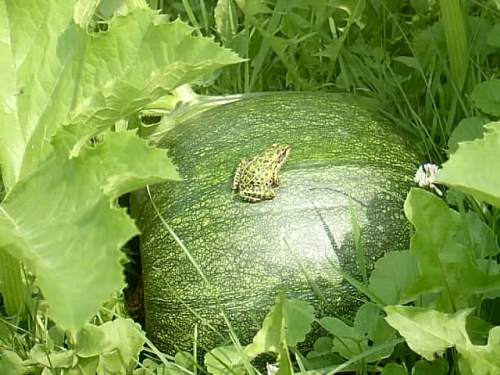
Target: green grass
point(421, 64)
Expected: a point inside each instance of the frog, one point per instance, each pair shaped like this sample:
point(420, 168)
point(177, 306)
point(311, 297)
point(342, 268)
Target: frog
point(256, 179)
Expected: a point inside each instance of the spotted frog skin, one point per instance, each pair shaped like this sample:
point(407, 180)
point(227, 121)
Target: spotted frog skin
point(255, 179)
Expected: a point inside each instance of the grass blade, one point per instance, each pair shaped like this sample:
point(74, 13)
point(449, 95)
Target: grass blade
point(456, 39)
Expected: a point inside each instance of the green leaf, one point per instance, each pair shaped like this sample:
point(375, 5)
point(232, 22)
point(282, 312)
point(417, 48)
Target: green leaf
point(436, 367)
point(184, 359)
point(11, 363)
point(365, 321)
point(473, 169)
point(486, 96)
point(323, 345)
point(72, 240)
point(108, 8)
point(468, 129)
point(428, 332)
point(287, 324)
point(339, 329)
point(493, 37)
point(447, 263)
point(5, 333)
point(110, 363)
point(478, 329)
point(60, 358)
point(482, 359)
point(53, 72)
point(429, 43)
point(253, 7)
point(90, 341)
point(394, 369)
point(298, 317)
point(116, 343)
point(409, 61)
point(285, 366)
point(421, 6)
point(224, 360)
point(393, 274)
point(150, 367)
point(85, 366)
point(478, 236)
point(354, 8)
point(226, 20)
point(126, 337)
point(57, 335)
point(369, 331)
point(84, 12)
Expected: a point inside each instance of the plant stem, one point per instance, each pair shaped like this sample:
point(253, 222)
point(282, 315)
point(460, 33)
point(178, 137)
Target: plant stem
point(456, 39)
point(12, 283)
point(192, 17)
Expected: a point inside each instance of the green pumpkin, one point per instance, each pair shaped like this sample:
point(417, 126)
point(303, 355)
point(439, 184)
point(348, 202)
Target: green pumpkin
point(344, 162)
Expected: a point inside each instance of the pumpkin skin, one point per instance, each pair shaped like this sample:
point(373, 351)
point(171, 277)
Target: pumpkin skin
point(343, 160)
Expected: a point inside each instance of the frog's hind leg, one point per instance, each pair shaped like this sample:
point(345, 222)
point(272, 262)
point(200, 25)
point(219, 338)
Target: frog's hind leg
point(249, 198)
point(258, 194)
point(238, 173)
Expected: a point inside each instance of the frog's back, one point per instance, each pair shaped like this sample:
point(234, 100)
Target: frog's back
point(258, 172)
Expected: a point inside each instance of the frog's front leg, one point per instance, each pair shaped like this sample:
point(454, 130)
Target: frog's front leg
point(257, 194)
point(276, 179)
point(237, 175)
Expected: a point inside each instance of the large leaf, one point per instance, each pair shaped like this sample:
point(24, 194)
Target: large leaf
point(369, 332)
point(394, 369)
point(482, 359)
point(287, 324)
point(11, 363)
point(393, 273)
point(467, 130)
point(224, 360)
point(486, 96)
point(62, 221)
point(437, 367)
point(121, 336)
point(429, 332)
point(60, 216)
point(446, 255)
point(53, 72)
point(474, 167)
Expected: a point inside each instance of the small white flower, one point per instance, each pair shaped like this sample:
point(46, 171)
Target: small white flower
point(426, 176)
point(271, 368)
